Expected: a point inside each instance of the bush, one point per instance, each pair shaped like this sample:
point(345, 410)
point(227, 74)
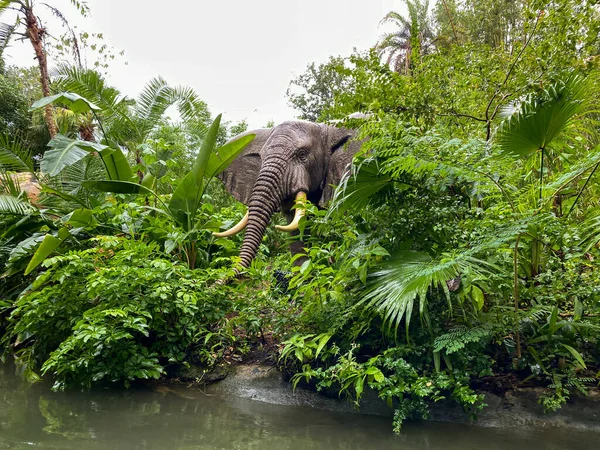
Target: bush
point(117, 312)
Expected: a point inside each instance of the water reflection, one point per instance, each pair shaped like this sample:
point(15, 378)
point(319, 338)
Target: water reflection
point(178, 418)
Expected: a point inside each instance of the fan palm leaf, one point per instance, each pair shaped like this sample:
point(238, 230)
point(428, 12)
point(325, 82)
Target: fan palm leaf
point(537, 121)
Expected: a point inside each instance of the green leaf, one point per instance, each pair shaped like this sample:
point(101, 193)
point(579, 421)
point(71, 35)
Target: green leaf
point(578, 312)
point(116, 164)
point(375, 373)
point(65, 152)
point(437, 361)
point(206, 150)
point(539, 119)
point(15, 206)
point(148, 180)
point(74, 102)
point(362, 274)
point(186, 198)
point(226, 154)
point(576, 355)
point(61, 194)
point(478, 297)
point(80, 218)
point(322, 342)
point(117, 187)
point(48, 245)
point(537, 358)
point(553, 319)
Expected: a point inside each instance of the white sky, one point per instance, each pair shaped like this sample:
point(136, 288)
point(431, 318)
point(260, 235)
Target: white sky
point(239, 56)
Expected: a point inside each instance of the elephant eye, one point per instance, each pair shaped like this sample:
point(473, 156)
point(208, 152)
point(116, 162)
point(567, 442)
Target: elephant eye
point(302, 154)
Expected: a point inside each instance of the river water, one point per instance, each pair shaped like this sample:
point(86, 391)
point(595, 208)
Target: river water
point(34, 417)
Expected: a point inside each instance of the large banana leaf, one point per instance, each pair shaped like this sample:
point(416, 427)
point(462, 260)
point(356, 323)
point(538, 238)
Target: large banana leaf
point(118, 187)
point(117, 167)
point(74, 102)
point(65, 152)
point(80, 218)
point(186, 198)
point(223, 156)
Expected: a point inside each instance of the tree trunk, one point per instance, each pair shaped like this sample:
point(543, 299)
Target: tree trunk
point(35, 34)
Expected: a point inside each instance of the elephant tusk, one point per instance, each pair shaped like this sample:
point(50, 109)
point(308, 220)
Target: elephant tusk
point(300, 212)
point(234, 229)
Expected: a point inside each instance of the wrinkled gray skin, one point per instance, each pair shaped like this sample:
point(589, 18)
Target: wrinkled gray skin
point(280, 162)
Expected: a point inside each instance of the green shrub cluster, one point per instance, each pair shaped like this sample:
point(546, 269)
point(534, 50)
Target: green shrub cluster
point(118, 311)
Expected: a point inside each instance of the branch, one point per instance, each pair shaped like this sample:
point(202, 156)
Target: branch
point(451, 21)
point(510, 70)
point(468, 116)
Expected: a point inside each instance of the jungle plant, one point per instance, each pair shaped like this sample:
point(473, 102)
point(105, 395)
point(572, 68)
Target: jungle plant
point(118, 311)
point(186, 200)
point(36, 33)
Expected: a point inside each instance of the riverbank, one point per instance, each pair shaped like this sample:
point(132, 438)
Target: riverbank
point(514, 408)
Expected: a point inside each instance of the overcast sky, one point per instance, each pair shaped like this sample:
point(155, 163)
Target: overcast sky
point(238, 55)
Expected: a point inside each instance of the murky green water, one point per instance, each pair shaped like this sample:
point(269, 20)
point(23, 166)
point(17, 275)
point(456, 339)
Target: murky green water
point(36, 417)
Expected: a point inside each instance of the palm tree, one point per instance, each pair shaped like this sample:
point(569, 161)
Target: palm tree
point(413, 39)
point(127, 122)
point(36, 34)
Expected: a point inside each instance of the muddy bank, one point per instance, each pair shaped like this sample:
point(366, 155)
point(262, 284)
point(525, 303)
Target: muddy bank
point(516, 408)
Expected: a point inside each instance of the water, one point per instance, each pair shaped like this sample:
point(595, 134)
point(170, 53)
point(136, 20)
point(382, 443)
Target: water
point(34, 417)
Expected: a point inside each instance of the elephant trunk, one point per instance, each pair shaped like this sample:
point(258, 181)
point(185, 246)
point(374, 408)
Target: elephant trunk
point(265, 200)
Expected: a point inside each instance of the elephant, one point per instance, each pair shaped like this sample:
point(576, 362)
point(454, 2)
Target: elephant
point(284, 166)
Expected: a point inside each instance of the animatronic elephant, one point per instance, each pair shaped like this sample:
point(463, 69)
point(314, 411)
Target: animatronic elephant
point(282, 166)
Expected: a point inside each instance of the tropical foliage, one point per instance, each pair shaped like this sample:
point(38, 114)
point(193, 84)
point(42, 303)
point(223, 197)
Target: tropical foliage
point(459, 252)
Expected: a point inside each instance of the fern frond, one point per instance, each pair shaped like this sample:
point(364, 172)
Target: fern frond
point(458, 337)
point(358, 187)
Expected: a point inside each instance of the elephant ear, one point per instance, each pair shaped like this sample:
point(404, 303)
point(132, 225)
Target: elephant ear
point(340, 161)
point(240, 176)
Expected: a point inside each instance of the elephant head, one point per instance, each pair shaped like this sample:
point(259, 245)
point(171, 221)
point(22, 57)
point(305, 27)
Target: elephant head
point(284, 165)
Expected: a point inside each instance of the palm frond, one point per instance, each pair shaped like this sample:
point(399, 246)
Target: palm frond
point(408, 276)
point(88, 83)
point(405, 279)
point(587, 162)
point(189, 105)
point(396, 18)
point(15, 206)
point(358, 187)
point(154, 100)
point(539, 119)
point(6, 31)
point(92, 86)
point(14, 156)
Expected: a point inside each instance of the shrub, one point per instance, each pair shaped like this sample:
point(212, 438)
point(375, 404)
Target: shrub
point(117, 312)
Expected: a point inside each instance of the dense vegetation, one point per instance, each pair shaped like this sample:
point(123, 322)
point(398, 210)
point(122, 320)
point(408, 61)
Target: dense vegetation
point(460, 253)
